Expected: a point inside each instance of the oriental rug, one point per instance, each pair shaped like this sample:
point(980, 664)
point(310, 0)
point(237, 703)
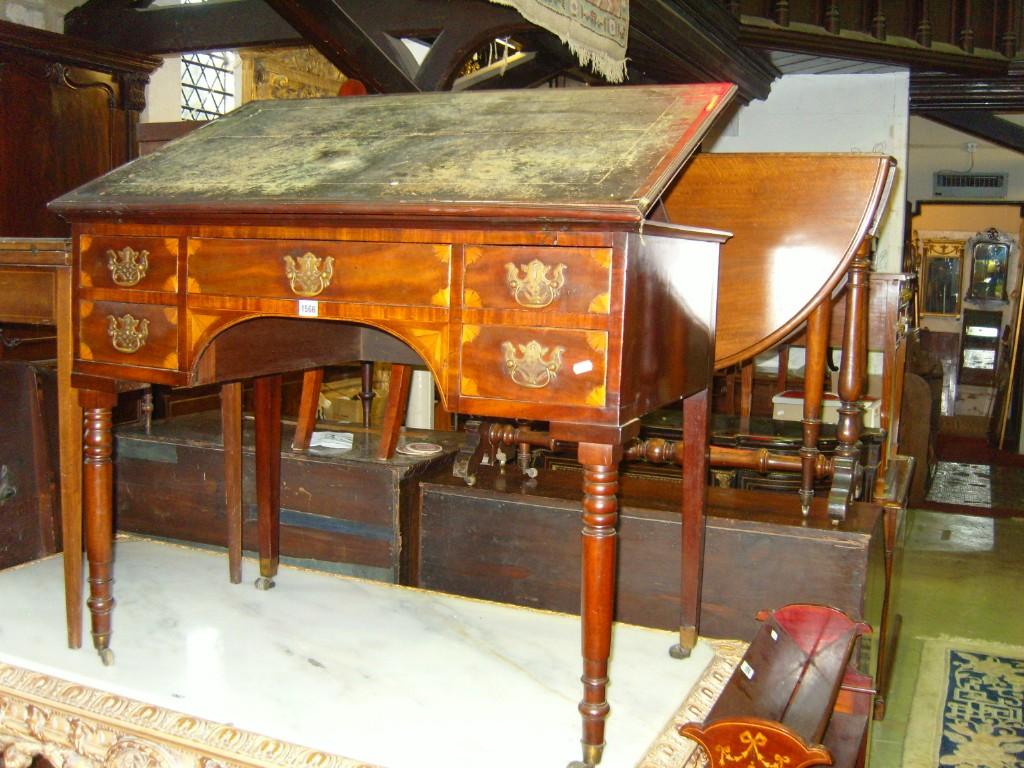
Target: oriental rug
point(968, 709)
point(596, 31)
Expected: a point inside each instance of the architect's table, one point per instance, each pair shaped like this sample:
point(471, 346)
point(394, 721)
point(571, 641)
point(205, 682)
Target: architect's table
point(35, 288)
point(277, 238)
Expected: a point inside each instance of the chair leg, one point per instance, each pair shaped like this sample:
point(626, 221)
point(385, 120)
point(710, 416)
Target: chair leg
point(308, 403)
point(394, 413)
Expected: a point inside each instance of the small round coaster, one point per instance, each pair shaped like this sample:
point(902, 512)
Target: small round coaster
point(419, 449)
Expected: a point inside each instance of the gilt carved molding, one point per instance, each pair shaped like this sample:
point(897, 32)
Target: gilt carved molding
point(75, 726)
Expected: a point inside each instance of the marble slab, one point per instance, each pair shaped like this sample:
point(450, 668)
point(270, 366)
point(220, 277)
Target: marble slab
point(379, 674)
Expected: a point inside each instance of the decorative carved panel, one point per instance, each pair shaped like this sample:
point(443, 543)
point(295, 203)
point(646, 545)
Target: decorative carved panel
point(288, 73)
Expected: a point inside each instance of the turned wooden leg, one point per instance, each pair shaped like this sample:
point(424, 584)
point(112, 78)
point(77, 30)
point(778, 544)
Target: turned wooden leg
point(814, 390)
point(846, 463)
point(695, 469)
point(309, 401)
point(231, 430)
point(97, 492)
point(394, 413)
point(267, 407)
point(600, 515)
point(366, 393)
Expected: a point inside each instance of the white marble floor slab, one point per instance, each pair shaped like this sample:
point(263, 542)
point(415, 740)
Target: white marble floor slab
point(396, 677)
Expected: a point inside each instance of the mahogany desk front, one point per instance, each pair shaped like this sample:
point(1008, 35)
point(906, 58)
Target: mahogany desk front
point(502, 236)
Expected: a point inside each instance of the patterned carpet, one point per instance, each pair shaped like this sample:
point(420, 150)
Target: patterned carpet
point(977, 489)
point(968, 709)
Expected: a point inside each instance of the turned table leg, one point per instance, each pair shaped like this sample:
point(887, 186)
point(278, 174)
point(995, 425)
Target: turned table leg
point(97, 495)
point(814, 389)
point(846, 464)
point(695, 470)
point(267, 407)
point(600, 515)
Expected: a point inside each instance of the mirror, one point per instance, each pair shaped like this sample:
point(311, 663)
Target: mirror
point(990, 258)
point(941, 271)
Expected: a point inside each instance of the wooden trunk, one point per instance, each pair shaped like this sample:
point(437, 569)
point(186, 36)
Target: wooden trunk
point(339, 507)
point(516, 541)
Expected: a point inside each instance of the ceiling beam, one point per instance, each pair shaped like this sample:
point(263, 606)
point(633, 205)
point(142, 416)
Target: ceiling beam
point(694, 40)
point(941, 93)
point(983, 125)
point(181, 28)
point(845, 45)
point(348, 34)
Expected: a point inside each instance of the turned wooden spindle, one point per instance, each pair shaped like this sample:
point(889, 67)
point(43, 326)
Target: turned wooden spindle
point(967, 30)
point(97, 488)
point(923, 33)
point(846, 462)
point(833, 19)
point(600, 516)
point(366, 393)
point(814, 388)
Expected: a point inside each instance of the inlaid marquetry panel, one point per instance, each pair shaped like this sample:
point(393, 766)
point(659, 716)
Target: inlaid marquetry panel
point(534, 364)
point(129, 334)
point(139, 263)
point(408, 274)
point(539, 278)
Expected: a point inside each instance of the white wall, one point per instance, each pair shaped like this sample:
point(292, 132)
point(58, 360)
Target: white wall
point(163, 94)
point(41, 14)
point(833, 113)
point(938, 148)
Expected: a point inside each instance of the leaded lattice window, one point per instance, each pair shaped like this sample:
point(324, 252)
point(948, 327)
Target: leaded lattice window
point(207, 85)
point(207, 82)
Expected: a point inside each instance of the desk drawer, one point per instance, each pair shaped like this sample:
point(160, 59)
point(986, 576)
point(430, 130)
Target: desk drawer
point(134, 263)
point(129, 334)
point(532, 364)
point(538, 278)
point(362, 272)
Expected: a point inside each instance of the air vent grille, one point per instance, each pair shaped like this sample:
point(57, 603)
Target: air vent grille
point(955, 184)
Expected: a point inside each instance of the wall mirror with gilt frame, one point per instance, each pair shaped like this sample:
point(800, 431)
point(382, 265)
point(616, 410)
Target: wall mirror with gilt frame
point(990, 260)
point(941, 276)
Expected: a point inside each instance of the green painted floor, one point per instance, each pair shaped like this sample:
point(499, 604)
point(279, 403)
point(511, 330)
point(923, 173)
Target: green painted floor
point(961, 576)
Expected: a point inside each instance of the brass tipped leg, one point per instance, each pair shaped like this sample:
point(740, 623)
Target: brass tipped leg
point(677, 651)
point(805, 501)
point(106, 656)
point(591, 756)
point(263, 583)
point(687, 640)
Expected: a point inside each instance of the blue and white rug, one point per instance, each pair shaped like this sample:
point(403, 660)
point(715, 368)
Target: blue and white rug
point(968, 709)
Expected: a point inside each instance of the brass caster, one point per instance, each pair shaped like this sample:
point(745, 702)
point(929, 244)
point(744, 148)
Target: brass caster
point(579, 764)
point(106, 656)
point(263, 583)
point(677, 651)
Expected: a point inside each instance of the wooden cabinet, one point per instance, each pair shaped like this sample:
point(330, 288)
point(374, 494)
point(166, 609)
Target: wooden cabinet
point(69, 112)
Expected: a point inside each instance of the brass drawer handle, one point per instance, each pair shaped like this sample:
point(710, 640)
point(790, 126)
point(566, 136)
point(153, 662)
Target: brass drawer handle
point(532, 366)
point(310, 275)
point(128, 334)
point(127, 266)
point(535, 285)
